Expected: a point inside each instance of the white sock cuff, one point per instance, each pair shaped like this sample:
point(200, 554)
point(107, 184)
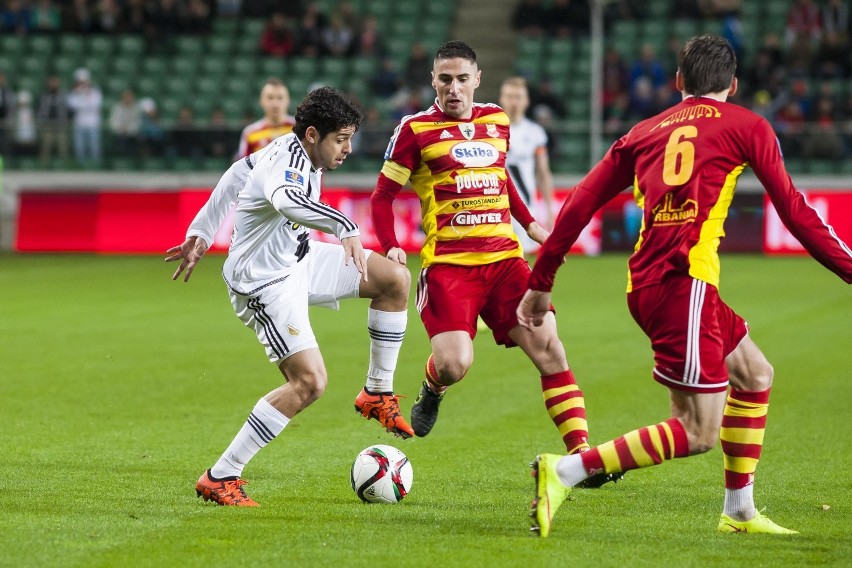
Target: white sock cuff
point(390, 319)
point(270, 415)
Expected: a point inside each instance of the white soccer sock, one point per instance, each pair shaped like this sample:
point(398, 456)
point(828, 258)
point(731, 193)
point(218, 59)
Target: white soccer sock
point(739, 503)
point(263, 424)
point(386, 332)
point(571, 470)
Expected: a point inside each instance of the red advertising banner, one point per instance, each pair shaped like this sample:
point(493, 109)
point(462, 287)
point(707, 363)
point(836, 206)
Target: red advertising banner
point(115, 221)
point(835, 208)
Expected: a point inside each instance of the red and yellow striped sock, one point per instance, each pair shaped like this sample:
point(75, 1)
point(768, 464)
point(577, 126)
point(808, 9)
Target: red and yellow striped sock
point(743, 425)
point(432, 376)
point(567, 408)
point(644, 447)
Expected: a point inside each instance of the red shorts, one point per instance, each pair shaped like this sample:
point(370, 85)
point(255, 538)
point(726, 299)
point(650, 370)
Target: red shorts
point(691, 330)
point(450, 297)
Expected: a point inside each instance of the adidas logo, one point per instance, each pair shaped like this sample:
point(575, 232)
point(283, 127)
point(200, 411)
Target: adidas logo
point(445, 134)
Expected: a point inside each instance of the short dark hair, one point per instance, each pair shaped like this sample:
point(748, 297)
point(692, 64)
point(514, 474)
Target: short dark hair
point(455, 48)
point(707, 64)
point(328, 110)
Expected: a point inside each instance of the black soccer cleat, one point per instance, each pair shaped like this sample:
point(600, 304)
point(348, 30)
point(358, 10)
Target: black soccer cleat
point(424, 413)
point(596, 481)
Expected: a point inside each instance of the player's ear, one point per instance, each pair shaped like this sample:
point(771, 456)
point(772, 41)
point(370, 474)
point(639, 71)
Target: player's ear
point(733, 90)
point(679, 81)
point(478, 77)
point(434, 86)
point(311, 135)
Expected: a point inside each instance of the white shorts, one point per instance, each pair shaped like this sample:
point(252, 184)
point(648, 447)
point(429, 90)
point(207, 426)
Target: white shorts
point(278, 314)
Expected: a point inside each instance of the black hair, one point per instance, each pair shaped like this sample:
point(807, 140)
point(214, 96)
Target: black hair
point(455, 48)
point(328, 110)
point(707, 64)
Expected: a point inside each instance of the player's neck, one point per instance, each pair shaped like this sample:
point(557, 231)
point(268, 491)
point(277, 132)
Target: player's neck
point(721, 96)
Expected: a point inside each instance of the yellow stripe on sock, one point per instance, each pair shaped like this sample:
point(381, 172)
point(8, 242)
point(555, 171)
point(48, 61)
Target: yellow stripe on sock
point(640, 455)
point(742, 435)
point(740, 465)
point(576, 402)
point(550, 393)
point(609, 457)
point(752, 410)
point(670, 438)
point(573, 424)
point(657, 441)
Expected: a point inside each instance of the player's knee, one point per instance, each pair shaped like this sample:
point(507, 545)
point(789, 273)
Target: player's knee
point(399, 282)
point(453, 370)
point(701, 439)
point(312, 385)
point(761, 376)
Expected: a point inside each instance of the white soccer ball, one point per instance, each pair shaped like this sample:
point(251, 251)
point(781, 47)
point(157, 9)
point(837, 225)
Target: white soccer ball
point(381, 474)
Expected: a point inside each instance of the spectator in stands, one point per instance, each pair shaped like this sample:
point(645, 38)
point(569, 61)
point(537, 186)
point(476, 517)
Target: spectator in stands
point(542, 96)
point(616, 10)
point(846, 127)
point(530, 18)
point(53, 120)
point(135, 16)
point(25, 125)
point(46, 17)
point(567, 18)
point(732, 30)
point(649, 67)
point(415, 77)
point(7, 112)
point(762, 104)
point(373, 135)
point(219, 136)
point(824, 140)
point(338, 38)
point(719, 8)
point(386, 82)
point(544, 116)
point(152, 137)
point(198, 19)
point(616, 77)
point(80, 17)
point(765, 73)
point(85, 100)
point(369, 41)
point(685, 10)
point(790, 125)
point(277, 38)
point(109, 16)
point(803, 23)
point(833, 59)
point(228, 8)
point(186, 139)
point(15, 17)
point(835, 19)
point(125, 119)
point(311, 28)
point(642, 100)
point(162, 24)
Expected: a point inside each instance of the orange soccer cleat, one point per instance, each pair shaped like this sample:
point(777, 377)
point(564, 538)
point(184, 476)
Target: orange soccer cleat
point(384, 407)
point(224, 492)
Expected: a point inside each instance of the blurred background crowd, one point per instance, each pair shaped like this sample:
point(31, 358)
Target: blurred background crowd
point(169, 84)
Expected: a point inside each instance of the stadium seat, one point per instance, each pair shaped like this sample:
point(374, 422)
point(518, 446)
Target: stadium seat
point(186, 66)
point(40, 45)
point(169, 108)
point(149, 86)
point(273, 67)
point(11, 44)
point(234, 109)
point(178, 86)
point(363, 67)
point(100, 46)
point(560, 48)
point(304, 67)
point(113, 84)
point(124, 66)
point(335, 68)
point(131, 45)
point(64, 65)
point(242, 65)
point(189, 46)
point(246, 44)
point(219, 46)
point(71, 45)
point(8, 65)
point(381, 8)
point(407, 10)
point(252, 27)
point(225, 27)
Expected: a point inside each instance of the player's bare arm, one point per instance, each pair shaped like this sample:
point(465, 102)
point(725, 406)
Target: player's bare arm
point(189, 252)
point(537, 233)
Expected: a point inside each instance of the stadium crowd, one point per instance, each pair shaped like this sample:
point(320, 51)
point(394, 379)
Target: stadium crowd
point(799, 76)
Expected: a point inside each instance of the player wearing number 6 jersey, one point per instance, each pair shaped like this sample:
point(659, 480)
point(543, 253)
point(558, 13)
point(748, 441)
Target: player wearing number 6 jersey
point(274, 272)
point(683, 165)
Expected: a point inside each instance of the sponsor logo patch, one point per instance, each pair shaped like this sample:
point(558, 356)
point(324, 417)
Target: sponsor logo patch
point(446, 134)
point(294, 176)
point(292, 330)
point(668, 214)
point(475, 154)
point(488, 183)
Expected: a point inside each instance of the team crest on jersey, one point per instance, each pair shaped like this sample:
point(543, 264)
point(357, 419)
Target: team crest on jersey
point(294, 176)
point(491, 130)
point(446, 134)
point(468, 130)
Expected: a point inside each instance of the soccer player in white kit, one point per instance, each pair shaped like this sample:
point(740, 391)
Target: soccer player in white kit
point(526, 161)
point(274, 271)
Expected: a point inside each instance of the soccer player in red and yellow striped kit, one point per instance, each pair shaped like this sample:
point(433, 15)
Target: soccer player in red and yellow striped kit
point(683, 165)
point(454, 154)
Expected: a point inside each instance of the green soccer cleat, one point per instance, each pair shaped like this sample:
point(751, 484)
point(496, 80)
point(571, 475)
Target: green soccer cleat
point(550, 493)
point(757, 524)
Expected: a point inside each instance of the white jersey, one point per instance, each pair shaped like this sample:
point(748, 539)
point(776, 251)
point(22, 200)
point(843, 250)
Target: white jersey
point(526, 137)
point(277, 191)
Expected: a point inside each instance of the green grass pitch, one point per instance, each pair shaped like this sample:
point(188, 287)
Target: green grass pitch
point(119, 386)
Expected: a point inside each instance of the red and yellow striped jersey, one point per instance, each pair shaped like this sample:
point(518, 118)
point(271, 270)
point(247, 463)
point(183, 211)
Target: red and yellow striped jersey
point(457, 168)
point(259, 134)
point(684, 164)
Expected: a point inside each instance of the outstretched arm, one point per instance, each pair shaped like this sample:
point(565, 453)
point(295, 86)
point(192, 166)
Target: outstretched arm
point(391, 180)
